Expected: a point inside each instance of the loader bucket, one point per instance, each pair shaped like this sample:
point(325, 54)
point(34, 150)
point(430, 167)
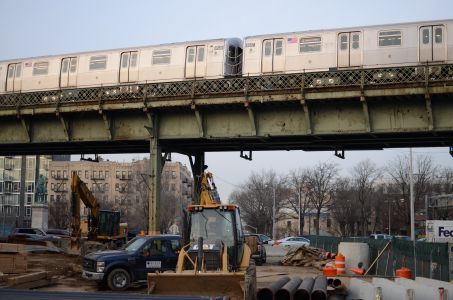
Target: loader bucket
point(198, 284)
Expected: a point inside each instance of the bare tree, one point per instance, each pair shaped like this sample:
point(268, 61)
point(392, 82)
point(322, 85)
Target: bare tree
point(344, 207)
point(398, 169)
point(364, 175)
point(59, 213)
point(298, 200)
point(320, 187)
point(255, 198)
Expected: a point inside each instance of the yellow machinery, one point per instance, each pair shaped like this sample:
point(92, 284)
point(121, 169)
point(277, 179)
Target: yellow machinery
point(215, 261)
point(102, 225)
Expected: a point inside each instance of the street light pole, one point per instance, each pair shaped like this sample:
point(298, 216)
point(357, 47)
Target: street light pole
point(274, 228)
point(411, 192)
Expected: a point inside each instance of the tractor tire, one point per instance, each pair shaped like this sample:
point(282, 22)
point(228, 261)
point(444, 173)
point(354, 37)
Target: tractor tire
point(250, 281)
point(118, 279)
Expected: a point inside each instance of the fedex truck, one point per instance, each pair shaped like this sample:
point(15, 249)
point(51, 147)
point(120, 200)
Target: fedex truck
point(439, 231)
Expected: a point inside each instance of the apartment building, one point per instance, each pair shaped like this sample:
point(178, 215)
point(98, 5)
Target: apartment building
point(23, 192)
point(116, 186)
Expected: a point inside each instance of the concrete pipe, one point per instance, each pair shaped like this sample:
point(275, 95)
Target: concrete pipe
point(319, 291)
point(287, 291)
point(304, 290)
point(337, 284)
point(268, 292)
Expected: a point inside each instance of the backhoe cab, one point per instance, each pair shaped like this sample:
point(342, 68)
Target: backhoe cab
point(215, 261)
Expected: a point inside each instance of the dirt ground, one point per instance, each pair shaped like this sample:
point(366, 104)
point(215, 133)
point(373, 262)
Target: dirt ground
point(68, 269)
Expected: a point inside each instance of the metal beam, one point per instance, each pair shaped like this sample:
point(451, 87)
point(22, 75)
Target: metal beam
point(199, 119)
point(429, 112)
point(307, 116)
point(107, 124)
point(64, 123)
point(26, 127)
point(366, 114)
point(251, 118)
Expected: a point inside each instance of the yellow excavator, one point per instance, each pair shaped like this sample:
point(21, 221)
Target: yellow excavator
point(215, 260)
point(103, 230)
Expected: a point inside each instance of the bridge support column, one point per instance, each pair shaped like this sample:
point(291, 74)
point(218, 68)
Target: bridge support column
point(197, 163)
point(154, 184)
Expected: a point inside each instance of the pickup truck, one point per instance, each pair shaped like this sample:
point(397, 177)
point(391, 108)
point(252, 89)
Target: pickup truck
point(142, 255)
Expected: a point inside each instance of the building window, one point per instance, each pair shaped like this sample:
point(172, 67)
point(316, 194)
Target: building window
point(117, 186)
point(65, 174)
point(129, 175)
point(106, 174)
point(95, 174)
point(52, 187)
point(98, 62)
point(29, 198)
point(52, 198)
point(87, 174)
point(27, 211)
point(101, 175)
point(173, 174)
point(288, 224)
point(309, 44)
point(390, 38)
point(161, 57)
point(16, 187)
point(30, 187)
point(118, 174)
point(123, 175)
point(41, 68)
point(58, 174)
point(106, 187)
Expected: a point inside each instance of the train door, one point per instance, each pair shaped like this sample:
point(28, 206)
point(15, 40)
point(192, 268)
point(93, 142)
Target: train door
point(432, 43)
point(14, 77)
point(273, 56)
point(195, 61)
point(68, 72)
point(349, 49)
point(129, 66)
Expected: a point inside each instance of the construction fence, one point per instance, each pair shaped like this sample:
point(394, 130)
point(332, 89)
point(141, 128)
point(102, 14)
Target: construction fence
point(431, 259)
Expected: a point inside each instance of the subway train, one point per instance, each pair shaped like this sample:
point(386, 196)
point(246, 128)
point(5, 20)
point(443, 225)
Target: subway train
point(294, 52)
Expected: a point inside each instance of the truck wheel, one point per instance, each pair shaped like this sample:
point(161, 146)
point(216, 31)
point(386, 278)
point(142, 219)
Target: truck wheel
point(118, 280)
point(250, 281)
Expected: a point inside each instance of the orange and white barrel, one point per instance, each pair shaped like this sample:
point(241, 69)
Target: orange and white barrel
point(340, 264)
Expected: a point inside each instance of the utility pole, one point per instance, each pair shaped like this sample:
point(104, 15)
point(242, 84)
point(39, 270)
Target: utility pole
point(274, 227)
point(411, 193)
point(300, 225)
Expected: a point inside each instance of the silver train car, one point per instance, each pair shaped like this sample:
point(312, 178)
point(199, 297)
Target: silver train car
point(217, 58)
point(305, 51)
point(358, 47)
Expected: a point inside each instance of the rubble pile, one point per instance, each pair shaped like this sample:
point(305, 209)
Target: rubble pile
point(306, 256)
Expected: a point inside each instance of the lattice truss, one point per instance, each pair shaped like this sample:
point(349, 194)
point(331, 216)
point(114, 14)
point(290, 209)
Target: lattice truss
point(364, 78)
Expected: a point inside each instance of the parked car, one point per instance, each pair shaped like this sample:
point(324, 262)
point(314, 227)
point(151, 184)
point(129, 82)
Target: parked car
point(292, 241)
point(31, 234)
point(62, 233)
point(142, 255)
point(258, 253)
point(265, 239)
point(380, 236)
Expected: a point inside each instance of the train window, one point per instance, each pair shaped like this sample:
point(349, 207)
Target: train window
point(124, 60)
point(200, 54)
point(310, 44)
point(438, 35)
point(134, 56)
point(163, 56)
point(267, 48)
point(41, 68)
point(344, 42)
point(18, 70)
point(64, 68)
point(355, 41)
point(390, 38)
point(425, 36)
point(278, 47)
point(73, 65)
point(11, 71)
point(98, 62)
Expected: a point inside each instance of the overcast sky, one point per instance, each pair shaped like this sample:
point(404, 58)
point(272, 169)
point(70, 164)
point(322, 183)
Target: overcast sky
point(34, 28)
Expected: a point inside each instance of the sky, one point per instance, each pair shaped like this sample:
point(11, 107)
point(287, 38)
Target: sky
point(31, 28)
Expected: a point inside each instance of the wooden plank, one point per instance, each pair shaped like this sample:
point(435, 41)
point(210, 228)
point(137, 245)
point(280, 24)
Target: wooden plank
point(36, 283)
point(17, 280)
point(11, 248)
point(13, 263)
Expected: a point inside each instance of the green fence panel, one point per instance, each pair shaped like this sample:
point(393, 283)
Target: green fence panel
point(431, 259)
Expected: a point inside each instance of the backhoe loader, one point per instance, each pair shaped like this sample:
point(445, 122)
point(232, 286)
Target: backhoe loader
point(215, 260)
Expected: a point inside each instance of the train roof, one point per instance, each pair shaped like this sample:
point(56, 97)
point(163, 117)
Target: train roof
point(311, 31)
point(119, 49)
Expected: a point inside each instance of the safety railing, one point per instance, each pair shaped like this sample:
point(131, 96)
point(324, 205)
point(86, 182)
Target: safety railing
point(248, 85)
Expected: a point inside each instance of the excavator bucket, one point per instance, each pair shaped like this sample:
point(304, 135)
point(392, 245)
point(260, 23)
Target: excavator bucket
point(209, 284)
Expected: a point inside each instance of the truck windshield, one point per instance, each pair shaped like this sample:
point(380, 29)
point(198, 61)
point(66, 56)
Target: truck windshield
point(212, 224)
point(134, 244)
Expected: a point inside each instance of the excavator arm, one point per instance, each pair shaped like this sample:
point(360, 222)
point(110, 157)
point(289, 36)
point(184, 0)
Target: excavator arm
point(80, 192)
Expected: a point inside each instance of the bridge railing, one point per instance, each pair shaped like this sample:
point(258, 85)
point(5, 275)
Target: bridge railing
point(247, 85)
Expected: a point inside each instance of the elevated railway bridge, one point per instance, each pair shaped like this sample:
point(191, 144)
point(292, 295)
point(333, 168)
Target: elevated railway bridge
point(360, 109)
